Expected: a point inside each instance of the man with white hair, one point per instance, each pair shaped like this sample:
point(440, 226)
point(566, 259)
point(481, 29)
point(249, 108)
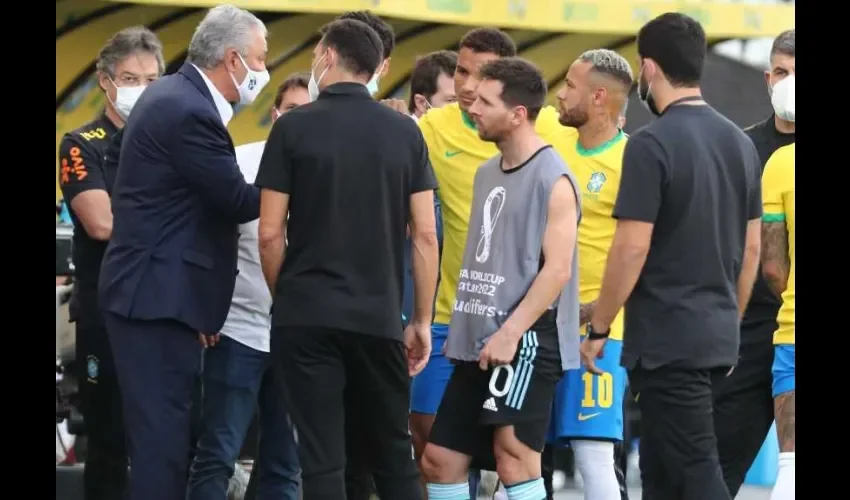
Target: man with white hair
point(168, 274)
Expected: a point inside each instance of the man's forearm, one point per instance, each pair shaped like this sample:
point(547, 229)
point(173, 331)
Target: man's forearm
point(775, 262)
point(543, 291)
point(621, 274)
point(425, 260)
point(747, 278)
point(272, 253)
point(776, 277)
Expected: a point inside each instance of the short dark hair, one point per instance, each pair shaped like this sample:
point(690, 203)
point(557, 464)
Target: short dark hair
point(293, 81)
point(677, 44)
point(784, 44)
point(489, 41)
point(426, 70)
point(522, 83)
point(358, 46)
point(126, 43)
point(382, 28)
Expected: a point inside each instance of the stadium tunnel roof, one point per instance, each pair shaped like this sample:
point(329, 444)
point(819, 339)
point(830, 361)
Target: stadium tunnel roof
point(82, 26)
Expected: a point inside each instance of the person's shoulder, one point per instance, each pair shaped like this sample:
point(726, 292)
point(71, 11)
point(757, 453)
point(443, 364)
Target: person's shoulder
point(442, 118)
point(296, 117)
point(563, 138)
point(760, 129)
point(713, 122)
point(782, 159)
point(394, 120)
point(175, 96)
point(490, 165)
point(647, 135)
point(549, 156)
point(92, 132)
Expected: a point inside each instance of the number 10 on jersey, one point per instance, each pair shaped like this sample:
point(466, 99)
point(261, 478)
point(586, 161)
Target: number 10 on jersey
point(598, 390)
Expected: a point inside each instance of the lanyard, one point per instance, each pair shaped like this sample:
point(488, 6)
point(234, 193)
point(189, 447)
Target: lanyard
point(683, 99)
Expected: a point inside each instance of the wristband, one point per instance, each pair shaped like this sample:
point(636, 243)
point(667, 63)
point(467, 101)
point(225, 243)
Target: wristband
point(594, 335)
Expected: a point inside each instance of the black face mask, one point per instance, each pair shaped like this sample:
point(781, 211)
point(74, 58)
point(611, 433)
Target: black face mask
point(645, 96)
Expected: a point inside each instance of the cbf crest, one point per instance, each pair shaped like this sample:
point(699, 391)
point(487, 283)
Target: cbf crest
point(93, 367)
point(597, 180)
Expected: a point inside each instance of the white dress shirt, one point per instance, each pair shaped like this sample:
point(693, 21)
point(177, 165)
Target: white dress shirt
point(225, 110)
point(249, 319)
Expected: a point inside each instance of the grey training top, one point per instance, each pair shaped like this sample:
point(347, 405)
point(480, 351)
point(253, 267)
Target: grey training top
point(503, 255)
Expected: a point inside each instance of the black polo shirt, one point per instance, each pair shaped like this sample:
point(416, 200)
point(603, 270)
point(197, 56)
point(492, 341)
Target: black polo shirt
point(695, 176)
point(759, 321)
point(82, 167)
point(350, 166)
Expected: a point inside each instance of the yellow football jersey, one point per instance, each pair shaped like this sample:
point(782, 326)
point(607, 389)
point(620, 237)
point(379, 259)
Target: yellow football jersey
point(598, 174)
point(456, 152)
point(778, 198)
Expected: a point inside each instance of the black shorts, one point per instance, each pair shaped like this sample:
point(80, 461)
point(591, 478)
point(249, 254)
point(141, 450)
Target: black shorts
point(520, 394)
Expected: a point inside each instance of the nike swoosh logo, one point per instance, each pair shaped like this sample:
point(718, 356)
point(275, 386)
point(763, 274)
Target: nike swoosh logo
point(449, 154)
point(582, 418)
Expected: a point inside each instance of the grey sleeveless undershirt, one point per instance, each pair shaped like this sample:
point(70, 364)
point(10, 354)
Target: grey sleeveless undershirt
point(503, 255)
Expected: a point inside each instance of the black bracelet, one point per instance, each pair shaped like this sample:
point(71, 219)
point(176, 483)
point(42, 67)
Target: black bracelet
point(594, 335)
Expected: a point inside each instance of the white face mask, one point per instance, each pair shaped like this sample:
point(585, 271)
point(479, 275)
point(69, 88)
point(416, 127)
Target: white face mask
point(253, 83)
point(313, 85)
point(372, 86)
point(782, 98)
point(125, 99)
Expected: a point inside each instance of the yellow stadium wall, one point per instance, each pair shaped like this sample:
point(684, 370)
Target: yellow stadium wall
point(82, 26)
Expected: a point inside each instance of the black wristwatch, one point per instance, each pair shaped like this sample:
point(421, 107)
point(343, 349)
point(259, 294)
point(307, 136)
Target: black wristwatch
point(594, 335)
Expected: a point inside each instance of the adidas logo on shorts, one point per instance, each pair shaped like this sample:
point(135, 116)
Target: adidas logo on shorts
point(490, 404)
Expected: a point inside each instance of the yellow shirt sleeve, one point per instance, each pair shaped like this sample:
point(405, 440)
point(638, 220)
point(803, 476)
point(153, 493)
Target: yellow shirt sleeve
point(774, 184)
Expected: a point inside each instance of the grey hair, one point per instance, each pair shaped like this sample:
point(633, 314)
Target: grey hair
point(224, 27)
point(610, 63)
point(784, 44)
point(125, 43)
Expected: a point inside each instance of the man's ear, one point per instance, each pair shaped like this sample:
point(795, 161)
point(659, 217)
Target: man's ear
point(386, 68)
point(419, 102)
point(103, 80)
point(520, 112)
point(767, 78)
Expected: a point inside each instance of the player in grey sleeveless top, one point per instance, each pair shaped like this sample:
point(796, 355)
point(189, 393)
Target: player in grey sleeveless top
point(503, 256)
point(514, 328)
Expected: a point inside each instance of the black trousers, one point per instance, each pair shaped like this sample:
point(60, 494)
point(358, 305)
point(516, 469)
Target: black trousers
point(743, 410)
point(105, 474)
point(678, 447)
point(334, 379)
point(359, 484)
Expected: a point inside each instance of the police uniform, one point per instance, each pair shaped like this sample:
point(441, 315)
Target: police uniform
point(83, 166)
